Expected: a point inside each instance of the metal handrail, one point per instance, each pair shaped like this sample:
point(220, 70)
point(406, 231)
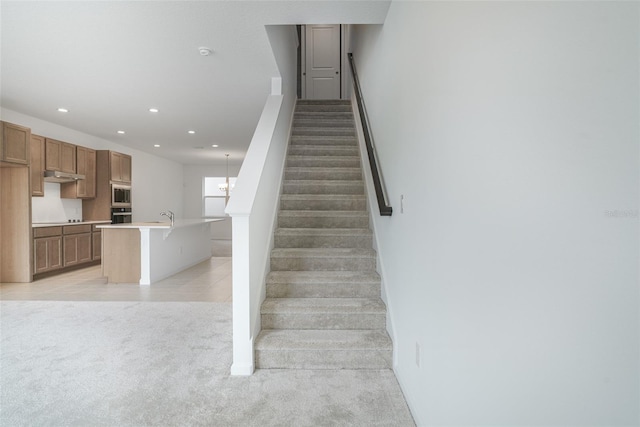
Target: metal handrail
point(383, 205)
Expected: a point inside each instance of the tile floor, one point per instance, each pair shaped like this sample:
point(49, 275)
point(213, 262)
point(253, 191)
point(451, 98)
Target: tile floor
point(209, 281)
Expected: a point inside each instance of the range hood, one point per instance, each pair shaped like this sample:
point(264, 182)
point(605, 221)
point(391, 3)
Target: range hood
point(57, 176)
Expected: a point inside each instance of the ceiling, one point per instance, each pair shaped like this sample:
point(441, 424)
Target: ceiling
point(109, 62)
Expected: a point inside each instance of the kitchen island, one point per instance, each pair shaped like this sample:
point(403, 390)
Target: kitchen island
point(146, 252)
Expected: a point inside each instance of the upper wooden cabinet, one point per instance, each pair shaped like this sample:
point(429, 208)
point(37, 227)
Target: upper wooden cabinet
point(120, 165)
point(85, 165)
point(37, 165)
point(14, 143)
point(60, 156)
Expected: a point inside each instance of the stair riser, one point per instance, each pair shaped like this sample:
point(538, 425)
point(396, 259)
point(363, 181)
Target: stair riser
point(323, 290)
point(323, 162)
point(285, 221)
point(327, 115)
point(324, 108)
point(294, 187)
point(324, 205)
point(322, 122)
point(344, 141)
point(323, 131)
point(322, 264)
point(325, 359)
point(305, 150)
point(364, 242)
point(333, 321)
point(321, 173)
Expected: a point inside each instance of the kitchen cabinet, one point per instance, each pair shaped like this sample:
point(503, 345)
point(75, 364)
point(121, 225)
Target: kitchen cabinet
point(16, 240)
point(14, 143)
point(76, 244)
point(85, 165)
point(96, 240)
point(120, 165)
point(47, 249)
point(37, 165)
point(60, 156)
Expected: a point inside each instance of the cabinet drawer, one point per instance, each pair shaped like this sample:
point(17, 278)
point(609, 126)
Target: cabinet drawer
point(76, 229)
point(47, 231)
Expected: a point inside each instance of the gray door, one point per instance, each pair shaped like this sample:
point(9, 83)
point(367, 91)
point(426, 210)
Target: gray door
point(322, 61)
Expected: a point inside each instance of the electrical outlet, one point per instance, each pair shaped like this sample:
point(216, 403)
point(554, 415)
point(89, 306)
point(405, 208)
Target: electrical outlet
point(417, 354)
point(402, 203)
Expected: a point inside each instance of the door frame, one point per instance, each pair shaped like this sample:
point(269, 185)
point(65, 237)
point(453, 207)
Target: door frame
point(343, 61)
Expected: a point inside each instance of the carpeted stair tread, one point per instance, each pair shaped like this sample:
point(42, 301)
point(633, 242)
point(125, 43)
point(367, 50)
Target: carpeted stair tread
point(323, 284)
point(323, 150)
point(323, 231)
point(323, 219)
point(323, 253)
point(308, 130)
point(324, 122)
point(323, 313)
point(323, 186)
point(323, 115)
point(323, 305)
point(337, 140)
point(323, 161)
point(323, 102)
point(322, 339)
point(333, 202)
point(320, 173)
point(323, 277)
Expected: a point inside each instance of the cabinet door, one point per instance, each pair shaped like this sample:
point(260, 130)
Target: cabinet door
point(97, 244)
point(125, 171)
point(83, 188)
point(89, 181)
point(115, 161)
point(55, 252)
point(37, 165)
point(70, 250)
point(14, 145)
point(77, 249)
point(40, 256)
point(53, 153)
point(47, 254)
point(68, 158)
point(84, 247)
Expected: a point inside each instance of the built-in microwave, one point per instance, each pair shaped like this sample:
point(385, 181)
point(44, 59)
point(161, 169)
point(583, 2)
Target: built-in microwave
point(120, 196)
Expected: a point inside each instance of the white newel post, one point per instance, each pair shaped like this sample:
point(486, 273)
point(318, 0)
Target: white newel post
point(242, 337)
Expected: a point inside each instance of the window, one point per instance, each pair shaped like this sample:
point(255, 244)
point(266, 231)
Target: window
point(214, 195)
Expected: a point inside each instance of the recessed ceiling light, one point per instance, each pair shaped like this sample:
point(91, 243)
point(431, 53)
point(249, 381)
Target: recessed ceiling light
point(191, 132)
point(63, 110)
point(205, 51)
point(121, 132)
point(153, 110)
point(156, 145)
point(215, 145)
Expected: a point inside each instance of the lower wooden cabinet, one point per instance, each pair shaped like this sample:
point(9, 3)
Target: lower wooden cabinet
point(47, 249)
point(77, 249)
point(57, 247)
point(76, 244)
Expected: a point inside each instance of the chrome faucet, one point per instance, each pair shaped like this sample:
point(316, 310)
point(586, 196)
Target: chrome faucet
point(169, 215)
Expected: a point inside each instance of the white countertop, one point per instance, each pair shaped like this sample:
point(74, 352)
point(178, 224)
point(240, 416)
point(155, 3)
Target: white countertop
point(59, 224)
point(162, 224)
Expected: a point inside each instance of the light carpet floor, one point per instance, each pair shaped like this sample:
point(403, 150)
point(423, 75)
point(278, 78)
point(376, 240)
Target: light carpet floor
point(83, 363)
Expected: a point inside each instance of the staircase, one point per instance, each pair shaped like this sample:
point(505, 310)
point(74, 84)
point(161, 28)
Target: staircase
point(323, 308)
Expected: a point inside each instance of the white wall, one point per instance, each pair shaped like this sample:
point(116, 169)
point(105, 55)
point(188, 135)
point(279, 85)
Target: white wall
point(193, 193)
point(156, 182)
point(511, 128)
